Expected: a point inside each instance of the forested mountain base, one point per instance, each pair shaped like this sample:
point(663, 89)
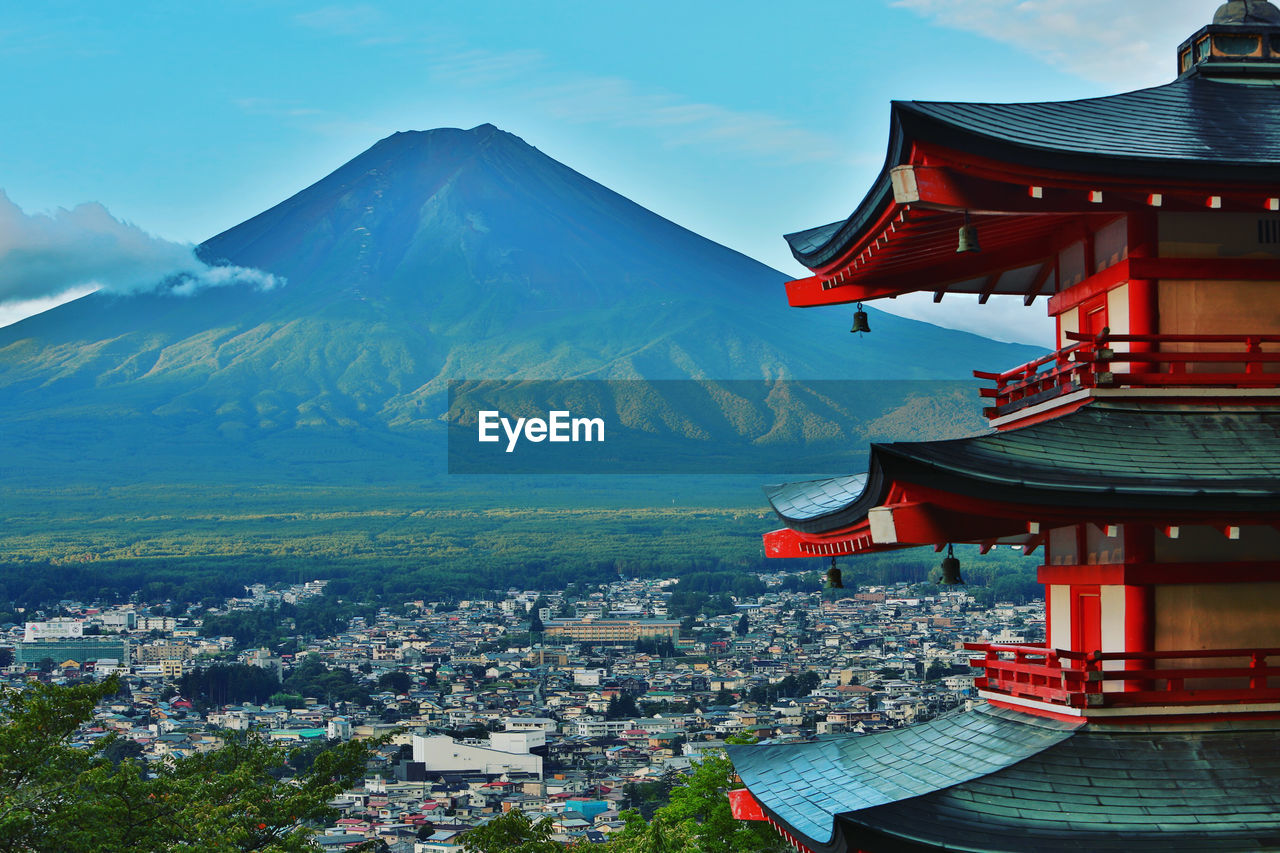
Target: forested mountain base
point(392, 544)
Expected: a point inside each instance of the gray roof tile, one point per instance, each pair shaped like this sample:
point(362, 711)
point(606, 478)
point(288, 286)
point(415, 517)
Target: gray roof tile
point(862, 772)
point(1168, 464)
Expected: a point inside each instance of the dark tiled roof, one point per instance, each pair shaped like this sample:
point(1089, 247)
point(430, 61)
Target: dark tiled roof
point(808, 784)
point(1106, 790)
point(1104, 455)
point(1194, 120)
point(1191, 129)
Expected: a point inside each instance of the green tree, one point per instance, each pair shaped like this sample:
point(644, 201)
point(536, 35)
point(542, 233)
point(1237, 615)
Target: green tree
point(697, 819)
point(240, 797)
point(937, 670)
point(622, 706)
point(397, 681)
point(512, 832)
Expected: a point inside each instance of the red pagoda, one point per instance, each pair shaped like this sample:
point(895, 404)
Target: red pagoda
point(1141, 458)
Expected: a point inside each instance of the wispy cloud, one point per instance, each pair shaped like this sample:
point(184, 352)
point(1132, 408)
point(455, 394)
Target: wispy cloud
point(1126, 44)
point(675, 120)
point(532, 79)
point(48, 256)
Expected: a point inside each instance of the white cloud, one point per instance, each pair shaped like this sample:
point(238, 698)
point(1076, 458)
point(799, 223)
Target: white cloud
point(1126, 44)
point(49, 256)
point(12, 312)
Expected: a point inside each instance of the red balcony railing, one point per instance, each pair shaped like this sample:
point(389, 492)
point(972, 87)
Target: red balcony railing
point(1153, 361)
point(1077, 679)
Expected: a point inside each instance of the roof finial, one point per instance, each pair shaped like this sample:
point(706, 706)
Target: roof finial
point(1247, 12)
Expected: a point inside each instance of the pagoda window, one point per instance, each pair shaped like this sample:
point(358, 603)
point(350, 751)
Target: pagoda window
point(1111, 244)
point(1064, 546)
point(1233, 45)
point(1087, 545)
point(1071, 265)
point(1104, 545)
point(1202, 49)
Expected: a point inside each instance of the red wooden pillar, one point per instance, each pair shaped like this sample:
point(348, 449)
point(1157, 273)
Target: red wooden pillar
point(1144, 304)
point(1139, 601)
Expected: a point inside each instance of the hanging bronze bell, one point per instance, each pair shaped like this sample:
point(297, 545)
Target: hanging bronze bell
point(951, 569)
point(834, 579)
point(968, 241)
point(860, 321)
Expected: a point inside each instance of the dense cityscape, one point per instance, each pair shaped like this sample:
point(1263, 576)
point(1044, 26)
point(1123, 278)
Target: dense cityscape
point(572, 706)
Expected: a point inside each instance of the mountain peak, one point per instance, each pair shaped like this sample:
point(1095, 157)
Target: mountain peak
point(418, 138)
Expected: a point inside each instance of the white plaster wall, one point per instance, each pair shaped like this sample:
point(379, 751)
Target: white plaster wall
point(1112, 606)
point(1118, 322)
point(1068, 321)
point(1060, 616)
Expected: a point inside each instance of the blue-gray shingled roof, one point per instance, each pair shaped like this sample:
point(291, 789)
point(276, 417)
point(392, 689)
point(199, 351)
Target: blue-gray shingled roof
point(815, 498)
point(807, 785)
point(1106, 455)
point(998, 780)
point(1195, 128)
point(1119, 789)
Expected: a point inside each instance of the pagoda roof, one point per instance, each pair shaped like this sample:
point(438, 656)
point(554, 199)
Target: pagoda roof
point(929, 787)
point(1194, 129)
point(1112, 457)
point(807, 785)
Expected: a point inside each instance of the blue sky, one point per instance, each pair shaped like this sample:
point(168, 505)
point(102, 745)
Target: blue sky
point(740, 120)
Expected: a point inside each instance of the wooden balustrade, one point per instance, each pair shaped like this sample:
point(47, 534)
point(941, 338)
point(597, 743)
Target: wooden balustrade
point(1077, 679)
point(1221, 361)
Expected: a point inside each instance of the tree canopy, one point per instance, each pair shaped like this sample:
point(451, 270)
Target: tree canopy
point(60, 794)
point(697, 819)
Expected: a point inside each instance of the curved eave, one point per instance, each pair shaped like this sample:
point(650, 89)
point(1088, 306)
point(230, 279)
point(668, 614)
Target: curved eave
point(1192, 130)
point(815, 250)
point(1120, 789)
point(837, 503)
point(805, 788)
point(1108, 462)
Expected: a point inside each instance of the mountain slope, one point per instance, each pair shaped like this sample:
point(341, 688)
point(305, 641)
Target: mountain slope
point(432, 256)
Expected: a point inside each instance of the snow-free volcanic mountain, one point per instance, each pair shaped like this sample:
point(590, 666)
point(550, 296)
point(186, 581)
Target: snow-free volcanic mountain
point(433, 255)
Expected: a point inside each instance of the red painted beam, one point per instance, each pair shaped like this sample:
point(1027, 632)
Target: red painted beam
point(951, 189)
point(809, 293)
point(790, 544)
point(1095, 285)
